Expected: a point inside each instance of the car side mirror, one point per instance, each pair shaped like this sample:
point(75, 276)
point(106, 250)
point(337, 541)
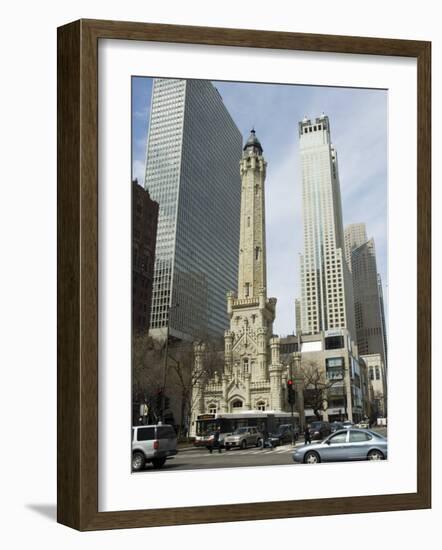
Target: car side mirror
point(328, 441)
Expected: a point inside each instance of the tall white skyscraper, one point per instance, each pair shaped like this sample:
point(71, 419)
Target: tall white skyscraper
point(193, 154)
point(326, 288)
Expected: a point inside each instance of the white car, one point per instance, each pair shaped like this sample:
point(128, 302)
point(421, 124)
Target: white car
point(243, 437)
point(154, 443)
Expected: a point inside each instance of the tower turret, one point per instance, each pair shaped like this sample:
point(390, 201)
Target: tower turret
point(252, 277)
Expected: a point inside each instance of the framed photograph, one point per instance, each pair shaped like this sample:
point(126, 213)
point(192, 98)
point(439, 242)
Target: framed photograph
point(244, 286)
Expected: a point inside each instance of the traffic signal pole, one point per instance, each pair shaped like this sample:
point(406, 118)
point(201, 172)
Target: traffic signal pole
point(290, 395)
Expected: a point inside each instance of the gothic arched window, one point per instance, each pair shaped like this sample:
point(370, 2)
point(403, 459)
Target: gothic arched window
point(237, 404)
point(246, 365)
point(212, 408)
point(261, 406)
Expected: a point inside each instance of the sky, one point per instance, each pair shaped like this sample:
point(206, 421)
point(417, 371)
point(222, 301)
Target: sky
point(358, 125)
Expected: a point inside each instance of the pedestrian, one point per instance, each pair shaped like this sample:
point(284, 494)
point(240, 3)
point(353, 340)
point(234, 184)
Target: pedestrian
point(266, 440)
point(307, 438)
point(216, 440)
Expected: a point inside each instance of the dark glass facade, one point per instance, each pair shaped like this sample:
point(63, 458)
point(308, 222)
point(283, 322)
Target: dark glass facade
point(192, 170)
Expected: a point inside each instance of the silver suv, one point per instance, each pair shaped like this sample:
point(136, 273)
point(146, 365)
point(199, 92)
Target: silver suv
point(153, 444)
point(243, 437)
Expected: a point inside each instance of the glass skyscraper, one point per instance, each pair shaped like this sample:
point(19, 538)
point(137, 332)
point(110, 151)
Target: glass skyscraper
point(326, 287)
point(192, 171)
point(360, 253)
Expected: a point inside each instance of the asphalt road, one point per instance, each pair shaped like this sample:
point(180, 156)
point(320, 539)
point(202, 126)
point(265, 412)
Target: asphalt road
point(192, 458)
point(201, 458)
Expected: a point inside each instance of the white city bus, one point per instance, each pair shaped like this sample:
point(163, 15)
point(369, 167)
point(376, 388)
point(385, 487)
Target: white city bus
point(265, 421)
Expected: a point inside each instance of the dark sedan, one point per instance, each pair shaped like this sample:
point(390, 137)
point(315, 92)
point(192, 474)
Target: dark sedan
point(344, 445)
point(319, 429)
point(286, 433)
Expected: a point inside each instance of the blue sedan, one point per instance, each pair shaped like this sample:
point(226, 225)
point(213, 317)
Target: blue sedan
point(350, 444)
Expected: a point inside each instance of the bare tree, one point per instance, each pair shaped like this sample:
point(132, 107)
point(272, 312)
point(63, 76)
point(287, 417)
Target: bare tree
point(157, 381)
point(185, 377)
point(317, 387)
point(147, 373)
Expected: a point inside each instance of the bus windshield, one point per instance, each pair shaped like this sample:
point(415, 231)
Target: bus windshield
point(205, 427)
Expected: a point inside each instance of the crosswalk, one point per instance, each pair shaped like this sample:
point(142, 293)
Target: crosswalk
point(244, 452)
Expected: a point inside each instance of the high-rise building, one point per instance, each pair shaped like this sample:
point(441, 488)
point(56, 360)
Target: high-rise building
point(355, 234)
point(384, 326)
point(326, 289)
point(370, 332)
point(298, 316)
point(193, 153)
point(144, 233)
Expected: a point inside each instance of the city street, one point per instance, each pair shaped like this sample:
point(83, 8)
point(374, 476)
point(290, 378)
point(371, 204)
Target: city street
point(191, 458)
point(198, 458)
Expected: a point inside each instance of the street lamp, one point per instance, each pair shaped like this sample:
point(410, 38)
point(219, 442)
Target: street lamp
point(166, 352)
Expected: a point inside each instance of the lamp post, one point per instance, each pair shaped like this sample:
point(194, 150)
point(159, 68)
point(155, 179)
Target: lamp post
point(166, 352)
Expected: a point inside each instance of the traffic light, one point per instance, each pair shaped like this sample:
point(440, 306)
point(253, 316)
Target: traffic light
point(290, 392)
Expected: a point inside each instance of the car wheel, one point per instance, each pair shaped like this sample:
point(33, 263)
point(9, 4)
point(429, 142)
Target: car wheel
point(158, 462)
point(138, 462)
point(227, 448)
point(375, 455)
point(259, 442)
point(243, 444)
point(312, 458)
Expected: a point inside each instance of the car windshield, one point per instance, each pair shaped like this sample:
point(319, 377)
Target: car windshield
point(315, 424)
point(240, 430)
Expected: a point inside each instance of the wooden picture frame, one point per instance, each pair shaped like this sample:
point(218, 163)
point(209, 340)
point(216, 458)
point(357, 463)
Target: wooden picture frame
point(77, 226)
